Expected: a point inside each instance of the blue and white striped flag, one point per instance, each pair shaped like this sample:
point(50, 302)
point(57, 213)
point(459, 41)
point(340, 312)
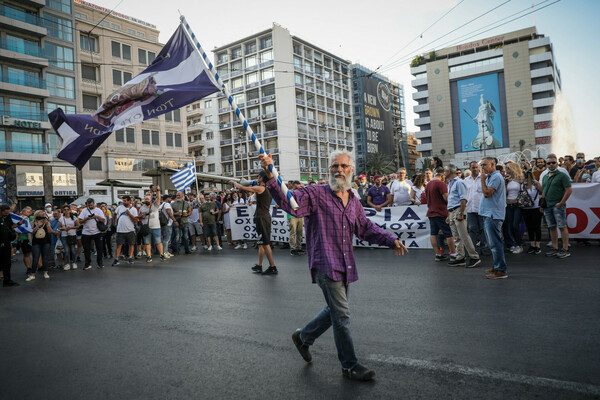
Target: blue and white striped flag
point(25, 228)
point(185, 177)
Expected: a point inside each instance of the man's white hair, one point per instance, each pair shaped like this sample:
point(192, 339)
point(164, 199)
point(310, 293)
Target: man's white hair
point(333, 155)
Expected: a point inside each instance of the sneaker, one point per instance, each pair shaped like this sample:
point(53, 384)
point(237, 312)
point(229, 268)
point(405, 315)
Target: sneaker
point(562, 253)
point(162, 257)
point(512, 249)
point(149, 259)
point(473, 262)
point(100, 266)
point(549, 244)
point(239, 246)
point(457, 263)
point(537, 251)
point(194, 248)
point(293, 253)
point(205, 247)
point(46, 276)
point(257, 268)
point(497, 275)
point(67, 267)
point(73, 266)
point(244, 246)
point(270, 271)
point(358, 373)
point(218, 247)
point(518, 250)
point(87, 267)
point(552, 253)
point(115, 263)
point(302, 348)
point(209, 248)
point(438, 257)
point(490, 271)
point(167, 255)
point(130, 260)
point(531, 250)
point(138, 256)
point(30, 278)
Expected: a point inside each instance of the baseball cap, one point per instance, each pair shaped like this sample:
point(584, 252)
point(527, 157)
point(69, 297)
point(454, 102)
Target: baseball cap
point(363, 176)
point(48, 204)
point(375, 177)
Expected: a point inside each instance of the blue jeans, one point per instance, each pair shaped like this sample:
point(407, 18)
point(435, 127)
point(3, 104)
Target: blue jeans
point(512, 228)
point(181, 232)
point(476, 228)
point(493, 233)
point(166, 237)
point(38, 250)
point(335, 313)
point(70, 252)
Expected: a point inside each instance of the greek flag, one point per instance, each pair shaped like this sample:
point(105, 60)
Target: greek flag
point(185, 177)
point(25, 228)
point(177, 77)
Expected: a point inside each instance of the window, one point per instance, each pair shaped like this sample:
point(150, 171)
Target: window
point(87, 43)
point(268, 90)
point(297, 62)
point(169, 139)
point(308, 66)
point(90, 102)
point(121, 77)
point(251, 78)
point(60, 5)
point(207, 104)
point(222, 70)
point(252, 94)
point(266, 41)
point(120, 50)
point(237, 83)
point(236, 52)
point(210, 151)
point(95, 163)
point(298, 78)
point(251, 61)
point(239, 98)
point(60, 86)
point(90, 73)
point(267, 73)
point(18, 108)
point(150, 138)
point(266, 56)
point(269, 108)
point(66, 108)
point(253, 112)
point(210, 135)
point(211, 167)
point(59, 28)
point(236, 66)
point(146, 57)
point(58, 56)
point(126, 135)
point(250, 47)
point(173, 116)
point(222, 57)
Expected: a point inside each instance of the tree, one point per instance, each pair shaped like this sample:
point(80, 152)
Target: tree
point(426, 164)
point(378, 163)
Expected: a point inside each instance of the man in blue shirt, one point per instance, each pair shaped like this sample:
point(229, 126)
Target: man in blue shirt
point(457, 203)
point(379, 196)
point(493, 210)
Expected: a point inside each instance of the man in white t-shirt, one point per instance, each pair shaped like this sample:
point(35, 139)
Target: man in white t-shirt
point(125, 217)
point(194, 227)
point(89, 218)
point(596, 177)
point(401, 190)
point(167, 230)
point(474, 220)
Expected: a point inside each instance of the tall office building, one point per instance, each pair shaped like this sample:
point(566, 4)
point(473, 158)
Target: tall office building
point(489, 97)
point(112, 49)
point(296, 98)
point(379, 118)
point(37, 75)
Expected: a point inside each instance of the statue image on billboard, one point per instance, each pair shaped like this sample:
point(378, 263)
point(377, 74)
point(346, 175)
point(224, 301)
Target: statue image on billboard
point(484, 121)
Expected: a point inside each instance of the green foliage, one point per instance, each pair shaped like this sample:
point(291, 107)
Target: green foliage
point(427, 164)
point(431, 56)
point(418, 60)
point(378, 163)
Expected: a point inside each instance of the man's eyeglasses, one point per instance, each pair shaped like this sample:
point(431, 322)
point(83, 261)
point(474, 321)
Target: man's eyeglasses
point(551, 162)
point(344, 166)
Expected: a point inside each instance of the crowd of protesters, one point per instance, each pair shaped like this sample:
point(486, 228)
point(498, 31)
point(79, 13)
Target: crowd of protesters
point(167, 225)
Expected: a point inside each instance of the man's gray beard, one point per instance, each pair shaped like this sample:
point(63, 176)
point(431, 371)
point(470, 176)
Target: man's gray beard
point(340, 185)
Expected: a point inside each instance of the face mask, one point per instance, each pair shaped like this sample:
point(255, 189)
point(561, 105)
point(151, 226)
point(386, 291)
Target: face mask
point(49, 209)
point(147, 203)
point(551, 169)
point(138, 205)
point(586, 176)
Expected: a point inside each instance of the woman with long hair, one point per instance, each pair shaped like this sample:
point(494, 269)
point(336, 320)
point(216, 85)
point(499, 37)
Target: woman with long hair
point(239, 199)
point(512, 230)
point(107, 250)
point(533, 215)
point(418, 188)
point(227, 201)
point(41, 240)
point(67, 225)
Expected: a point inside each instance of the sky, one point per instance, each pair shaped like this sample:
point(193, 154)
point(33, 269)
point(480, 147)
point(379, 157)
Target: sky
point(390, 33)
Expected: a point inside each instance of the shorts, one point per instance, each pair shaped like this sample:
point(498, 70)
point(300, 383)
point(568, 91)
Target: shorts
point(210, 230)
point(194, 228)
point(439, 224)
point(263, 230)
point(556, 217)
point(154, 237)
point(25, 246)
point(126, 238)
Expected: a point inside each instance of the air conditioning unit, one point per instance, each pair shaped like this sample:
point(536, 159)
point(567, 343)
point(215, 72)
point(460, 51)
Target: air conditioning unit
point(257, 118)
point(272, 96)
point(264, 116)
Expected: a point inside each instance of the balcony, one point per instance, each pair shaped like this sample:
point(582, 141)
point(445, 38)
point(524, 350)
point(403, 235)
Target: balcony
point(194, 112)
point(421, 108)
point(420, 95)
point(17, 20)
point(21, 113)
point(196, 127)
point(24, 85)
point(30, 151)
point(12, 50)
point(196, 143)
point(422, 121)
point(543, 87)
point(424, 147)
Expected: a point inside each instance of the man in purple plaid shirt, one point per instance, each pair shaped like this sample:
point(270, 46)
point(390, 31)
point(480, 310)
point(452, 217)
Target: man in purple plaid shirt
point(332, 216)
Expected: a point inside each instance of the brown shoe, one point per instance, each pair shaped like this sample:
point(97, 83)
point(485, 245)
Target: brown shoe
point(490, 271)
point(497, 275)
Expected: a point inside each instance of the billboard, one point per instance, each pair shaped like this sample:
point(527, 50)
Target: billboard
point(378, 123)
point(481, 111)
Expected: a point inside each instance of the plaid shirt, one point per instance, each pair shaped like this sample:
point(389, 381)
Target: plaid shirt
point(330, 228)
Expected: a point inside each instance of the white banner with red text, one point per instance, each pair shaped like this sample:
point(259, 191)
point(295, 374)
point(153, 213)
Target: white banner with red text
point(583, 211)
point(407, 223)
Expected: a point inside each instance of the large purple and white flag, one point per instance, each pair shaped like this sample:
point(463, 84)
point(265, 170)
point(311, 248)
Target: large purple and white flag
point(177, 77)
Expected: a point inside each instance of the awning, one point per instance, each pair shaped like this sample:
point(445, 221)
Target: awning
point(123, 183)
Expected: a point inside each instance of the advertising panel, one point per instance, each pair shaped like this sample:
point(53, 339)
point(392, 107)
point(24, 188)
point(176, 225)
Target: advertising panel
point(379, 129)
point(480, 113)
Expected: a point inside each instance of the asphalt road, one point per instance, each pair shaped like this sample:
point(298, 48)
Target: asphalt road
point(203, 326)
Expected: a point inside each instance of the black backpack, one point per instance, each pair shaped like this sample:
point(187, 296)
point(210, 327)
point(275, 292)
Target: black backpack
point(162, 218)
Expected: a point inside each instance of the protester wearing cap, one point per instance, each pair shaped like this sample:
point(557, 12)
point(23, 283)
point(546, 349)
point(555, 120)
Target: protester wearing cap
point(49, 211)
point(89, 218)
point(363, 189)
point(378, 196)
point(167, 229)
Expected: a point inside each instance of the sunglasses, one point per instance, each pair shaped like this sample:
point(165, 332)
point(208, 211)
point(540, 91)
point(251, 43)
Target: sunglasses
point(551, 162)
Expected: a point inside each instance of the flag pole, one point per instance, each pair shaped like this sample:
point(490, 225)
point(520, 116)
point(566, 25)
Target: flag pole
point(196, 176)
point(238, 112)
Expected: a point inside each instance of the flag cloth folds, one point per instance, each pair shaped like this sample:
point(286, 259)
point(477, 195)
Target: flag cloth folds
point(185, 177)
point(177, 77)
point(25, 228)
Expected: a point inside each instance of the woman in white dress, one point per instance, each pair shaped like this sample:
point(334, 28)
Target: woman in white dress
point(417, 189)
point(226, 207)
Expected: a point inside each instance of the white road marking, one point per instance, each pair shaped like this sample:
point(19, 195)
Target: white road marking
point(483, 373)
